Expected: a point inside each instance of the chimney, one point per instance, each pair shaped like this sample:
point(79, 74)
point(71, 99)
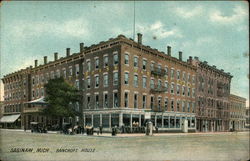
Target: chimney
point(68, 51)
point(139, 36)
point(180, 55)
point(45, 59)
point(56, 56)
point(81, 47)
point(169, 50)
point(36, 61)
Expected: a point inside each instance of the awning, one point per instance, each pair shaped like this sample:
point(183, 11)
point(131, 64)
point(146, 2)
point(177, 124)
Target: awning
point(37, 101)
point(9, 118)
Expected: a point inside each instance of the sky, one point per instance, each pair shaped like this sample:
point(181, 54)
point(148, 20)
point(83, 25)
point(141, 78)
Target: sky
point(216, 32)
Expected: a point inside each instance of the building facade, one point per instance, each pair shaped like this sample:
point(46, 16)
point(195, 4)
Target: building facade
point(212, 97)
point(237, 112)
point(124, 83)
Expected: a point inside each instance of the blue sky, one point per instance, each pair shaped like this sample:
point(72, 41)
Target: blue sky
point(214, 31)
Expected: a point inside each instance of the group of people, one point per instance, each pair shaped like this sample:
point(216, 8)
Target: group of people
point(79, 129)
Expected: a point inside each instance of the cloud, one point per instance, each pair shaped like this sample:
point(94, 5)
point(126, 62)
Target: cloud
point(158, 30)
point(238, 15)
point(29, 29)
point(187, 13)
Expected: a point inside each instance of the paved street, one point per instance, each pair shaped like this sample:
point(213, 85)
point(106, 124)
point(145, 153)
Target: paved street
point(19, 145)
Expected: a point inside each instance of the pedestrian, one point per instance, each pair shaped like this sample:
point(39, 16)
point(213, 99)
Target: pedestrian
point(100, 129)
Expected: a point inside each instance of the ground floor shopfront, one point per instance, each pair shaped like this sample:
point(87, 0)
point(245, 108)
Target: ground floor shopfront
point(11, 121)
point(237, 124)
point(130, 118)
point(211, 125)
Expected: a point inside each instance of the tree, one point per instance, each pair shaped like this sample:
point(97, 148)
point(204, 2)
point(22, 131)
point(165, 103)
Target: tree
point(62, 99)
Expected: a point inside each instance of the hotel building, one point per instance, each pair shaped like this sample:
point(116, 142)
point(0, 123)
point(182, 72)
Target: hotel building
point(122, 82)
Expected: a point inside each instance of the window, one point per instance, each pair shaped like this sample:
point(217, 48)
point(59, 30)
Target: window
point(126, 78)
point(97, 81)
point(159, 84)
point(183, 106)
point(126, 60)
point(172, 105)
point(159, 103)
point(37, 92)
point(135, 61)
point(88, 101)
point(183, 90)
point(193, 79)
point(172, 73)
point(188, 92)
point(33, 80)
point(166, 104)
point(193, 109)
point(88, 82)
point(96, 101)
point(64, 73)
point(159, 67)
point(77, 84)
point(152, 85)
point(115, 82)
point(115, 100)
point(126, 99)
point(166, 70)
point(88, 66)
point(106, 60)
point(53, 76)
point(178, 89)
point(96, 63)
point(105, 102)
point(135, 100)
point(172, 88)
point(77, 69)
point(144, 82)
point(193, 92)
point(178, 105)
point(70, 71)
point(166, 86)
point(152, 66)
point(152, 102)
point(135, 80)
point(188, 77)
point(184, 76)
point(105, 80)
point(178, 75)
point(144, 101)
point(188, 108)
point(115, 56)
point(144, 64)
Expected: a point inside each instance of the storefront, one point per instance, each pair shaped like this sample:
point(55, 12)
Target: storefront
point(130, 118)
point(11, 121)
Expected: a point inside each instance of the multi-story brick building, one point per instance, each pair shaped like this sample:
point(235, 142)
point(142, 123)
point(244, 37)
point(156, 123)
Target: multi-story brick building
point(212, 97)
point(237, 112)
point(16, 93)
point(122, 82)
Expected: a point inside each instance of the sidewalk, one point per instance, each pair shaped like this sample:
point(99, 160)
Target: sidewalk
point(138, 134)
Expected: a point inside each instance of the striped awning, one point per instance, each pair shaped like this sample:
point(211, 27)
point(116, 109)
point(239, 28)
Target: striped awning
point(9, 118)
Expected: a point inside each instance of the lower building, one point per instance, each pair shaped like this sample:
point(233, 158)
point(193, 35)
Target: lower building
point(237, 113)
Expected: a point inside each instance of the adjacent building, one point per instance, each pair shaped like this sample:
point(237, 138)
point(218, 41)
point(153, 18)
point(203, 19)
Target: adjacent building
point(212, 97)
point(237, 112)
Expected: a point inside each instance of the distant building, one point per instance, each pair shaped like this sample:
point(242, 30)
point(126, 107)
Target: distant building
point(248, 117)
point(237, 112)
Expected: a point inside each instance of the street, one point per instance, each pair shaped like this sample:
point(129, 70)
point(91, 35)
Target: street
point(20, 145)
